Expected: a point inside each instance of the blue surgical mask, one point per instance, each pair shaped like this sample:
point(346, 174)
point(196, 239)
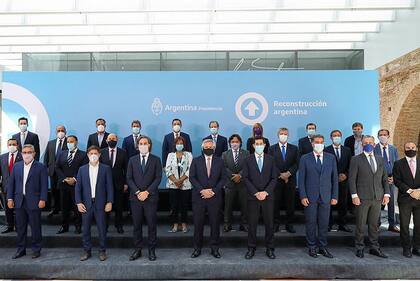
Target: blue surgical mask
point(311, 132)
point(136, 130)
point(179, 147)
point(259, 149)
point(368, 148)
point(70, 146)
point(318, 147)
point(213, 131)
point(336, 140)
point(23, 127)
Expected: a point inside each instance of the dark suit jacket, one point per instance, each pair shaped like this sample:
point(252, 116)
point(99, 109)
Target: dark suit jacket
point(403, 179)
point(119, 171)
point(93, 140)
point(290, 164)
point(50, 155)
point(31, 138)
point(363, 182)
point(104, 192)
point(392, 156)
point(129, 146)
point(36, 187)
point(149, 180)
point(317, 184)
point(231, 168)
point(168, 145)
point(200, 180)
point(62, 168)
point(349, 142)
point(305, 146)
point(221, 144)
point(257, 181)
point(249, 145)
point(343, 164)
point(4, 168)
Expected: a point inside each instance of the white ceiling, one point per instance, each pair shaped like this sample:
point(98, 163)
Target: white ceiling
point(187, 25)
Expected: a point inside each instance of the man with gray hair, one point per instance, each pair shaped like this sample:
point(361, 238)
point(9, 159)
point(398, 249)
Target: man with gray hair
point(368, 183)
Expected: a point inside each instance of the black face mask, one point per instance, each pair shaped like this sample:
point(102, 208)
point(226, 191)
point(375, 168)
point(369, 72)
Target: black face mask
point(410, 153)
point(208, 151)
point(112, 144)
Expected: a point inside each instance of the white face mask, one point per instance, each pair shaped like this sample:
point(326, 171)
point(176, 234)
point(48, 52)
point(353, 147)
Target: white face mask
point(12, 148)
point(101, 128)
point(318, 147)
point(383, 139)
point(27, 158)
point(61, 135)
point(176, 128)
point(144, 149)
point(93, 158)
point(283, 138)
point(23, 127)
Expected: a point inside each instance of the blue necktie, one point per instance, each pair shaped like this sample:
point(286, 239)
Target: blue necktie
point(388, 166)
point(143, 162)
point(337, 153)
point(318, 162)
point(283, 152)
point(260, 165)
point(60, 144)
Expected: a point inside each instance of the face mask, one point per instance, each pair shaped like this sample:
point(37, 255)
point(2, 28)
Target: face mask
point(410, 153)
point(179, 147)
point(176, 128)
point(23, 127)
point(357, 133)
point(135, 130)
point(208, 151)
point(283, 138)
point(101, 128)
point(336, 140)
point(234, 145)
point(144, 149)
point(93, 158)
point(257, 131)
point(213, 131)
point(383, 139)
point(259, 149)
point(112, 143)
point(318, 147)
point(311, 132)
point(61, 135)
point(71, 146)
point(368, 148)
point(12, 148)
point(27, 158)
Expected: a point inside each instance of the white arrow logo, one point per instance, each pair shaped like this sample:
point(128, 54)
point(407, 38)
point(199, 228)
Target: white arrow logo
point(252, 107)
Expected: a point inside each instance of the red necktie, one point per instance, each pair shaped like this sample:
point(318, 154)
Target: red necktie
point(11, 162)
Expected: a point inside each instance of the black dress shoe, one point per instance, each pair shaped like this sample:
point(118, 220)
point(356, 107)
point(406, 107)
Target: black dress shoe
point(8, 230)
point(102, 256)
point(276, 228)
point(250, 254)
point(290, 228)
point(85, 256)
point(36, 255)
point(227, 228)
point(120, 229)
point(407, 253)
point(63, 229)
point(215, 253)
point(416, 252)
point(196, 253)
point(135, 255)
point(325, 253)
point(360, 254)
point(394, 228)
point(243, 228)
point(344, 228)
point(51, 214)
point(78, 230)
point(313, 253)
point(19, 255)
point(270, 253)
point(378, 253)
point(152, 255)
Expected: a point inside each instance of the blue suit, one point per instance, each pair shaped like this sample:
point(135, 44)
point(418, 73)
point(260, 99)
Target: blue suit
point(95, 204)
point(168, 145)
point(129, 146)
point(319, 185)
point(26, 206)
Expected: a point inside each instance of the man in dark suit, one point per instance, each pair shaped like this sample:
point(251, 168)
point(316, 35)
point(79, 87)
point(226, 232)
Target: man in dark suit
point(220, 141)
point(130, 142)
point(144, 173)
point(305, 144)
point(7, 161)
point(98, 138)
point(67, 165)
point(343, 157)
point(27, 192)
point(27, 137)
point(318, 189)
point(235, 188)
point(354, 142)
point(286, 158)
point(94, 196)
point(260, 176)
point(406, 172)
point(207, 176)
point(368, 183)
point(168, 142)
point(116, 158)
point(53, 151)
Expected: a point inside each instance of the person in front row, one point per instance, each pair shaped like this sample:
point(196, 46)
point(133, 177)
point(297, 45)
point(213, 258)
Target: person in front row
point(144, 173)
point(368, 184)
point(207, 175)
point(260, 177)
point(27, 192)
point(318, 189)
point(94, 194)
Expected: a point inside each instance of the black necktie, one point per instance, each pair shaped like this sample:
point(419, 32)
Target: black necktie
point(143, 162)
point(112, 158)
point(318, 162)
point(337, 153)
point(60, 144)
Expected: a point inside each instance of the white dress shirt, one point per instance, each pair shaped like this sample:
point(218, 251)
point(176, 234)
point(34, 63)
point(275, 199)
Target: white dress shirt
point(373, 157)
point(26, 169)
point(321, 157)
point(58, 142)
point(93, 177)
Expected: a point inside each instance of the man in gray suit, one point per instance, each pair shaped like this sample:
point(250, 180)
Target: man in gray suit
point(235, 188)
point(368, 183)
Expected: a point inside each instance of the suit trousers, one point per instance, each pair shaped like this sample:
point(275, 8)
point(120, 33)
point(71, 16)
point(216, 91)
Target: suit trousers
point(87, 221)
point(140, 210)
point(285, 194)
point(408, 207)
point(68, 204)
point(25, 216)
point(254, 207)
point(367, 212)
point(342, 205)
point(317, 216)
point(237, 192)
point(213, 207)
